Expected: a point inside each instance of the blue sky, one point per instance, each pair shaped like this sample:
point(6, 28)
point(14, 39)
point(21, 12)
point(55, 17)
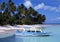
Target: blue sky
point(50, 8)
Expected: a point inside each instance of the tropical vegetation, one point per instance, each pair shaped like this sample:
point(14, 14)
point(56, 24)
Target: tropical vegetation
point(10, 14)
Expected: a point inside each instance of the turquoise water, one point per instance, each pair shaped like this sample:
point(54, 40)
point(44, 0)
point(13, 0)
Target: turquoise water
point(54, 32)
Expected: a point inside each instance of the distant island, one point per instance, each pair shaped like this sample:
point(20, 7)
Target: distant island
point(10, 14)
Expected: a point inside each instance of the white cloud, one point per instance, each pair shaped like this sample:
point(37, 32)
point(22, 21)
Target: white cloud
point(40, 6)
point(57, 18)
point(28, 4)
point(46, 7)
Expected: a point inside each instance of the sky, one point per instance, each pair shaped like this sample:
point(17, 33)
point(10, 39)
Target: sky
point(49, 8)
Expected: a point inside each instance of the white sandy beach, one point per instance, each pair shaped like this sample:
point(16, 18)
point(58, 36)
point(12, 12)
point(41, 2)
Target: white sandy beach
point(6, 31)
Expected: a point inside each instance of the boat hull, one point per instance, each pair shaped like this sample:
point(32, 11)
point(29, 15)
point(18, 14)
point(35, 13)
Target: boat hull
point(32, 34)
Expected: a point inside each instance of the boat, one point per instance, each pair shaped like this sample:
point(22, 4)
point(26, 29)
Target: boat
point(6, 32)
point(33, 31)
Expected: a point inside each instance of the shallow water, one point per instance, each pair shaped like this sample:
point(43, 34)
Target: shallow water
point(54, 31)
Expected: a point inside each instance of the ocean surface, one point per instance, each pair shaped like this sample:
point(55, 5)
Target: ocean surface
point(54, 31)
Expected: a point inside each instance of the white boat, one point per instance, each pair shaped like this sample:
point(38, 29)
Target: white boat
point(6, 32)
point(33, 31)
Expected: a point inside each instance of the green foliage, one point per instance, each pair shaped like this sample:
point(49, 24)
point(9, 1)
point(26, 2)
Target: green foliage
point(12, 20)
point(26, 21)
point(23, 15)
point(2, 6)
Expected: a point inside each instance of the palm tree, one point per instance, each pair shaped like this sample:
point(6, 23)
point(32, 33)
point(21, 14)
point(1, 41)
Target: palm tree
point(1, 19)
point(31, 10)
point(2, 6)
point(6, 16)
point(12, 6)
point(23, 15)
point(41, 18)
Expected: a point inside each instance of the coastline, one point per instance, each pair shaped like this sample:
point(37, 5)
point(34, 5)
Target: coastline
point(8, 30)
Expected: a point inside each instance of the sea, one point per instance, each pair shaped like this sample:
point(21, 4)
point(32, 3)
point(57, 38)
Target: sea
point(53, 30)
